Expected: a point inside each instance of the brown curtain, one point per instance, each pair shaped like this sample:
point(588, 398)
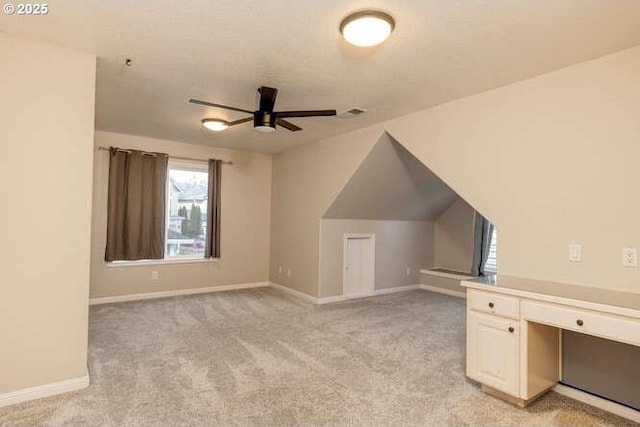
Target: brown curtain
point(136, 205)
point(212, 249)
point(483, 231)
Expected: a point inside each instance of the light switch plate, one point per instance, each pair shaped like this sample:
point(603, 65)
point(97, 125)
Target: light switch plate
point(575, 252)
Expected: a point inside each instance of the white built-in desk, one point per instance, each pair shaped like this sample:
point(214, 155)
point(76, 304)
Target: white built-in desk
point(513, 330)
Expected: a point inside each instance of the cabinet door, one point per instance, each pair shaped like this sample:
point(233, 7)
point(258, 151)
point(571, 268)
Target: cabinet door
point(492, 351)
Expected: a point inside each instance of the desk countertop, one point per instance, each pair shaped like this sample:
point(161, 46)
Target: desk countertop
point(522, 287)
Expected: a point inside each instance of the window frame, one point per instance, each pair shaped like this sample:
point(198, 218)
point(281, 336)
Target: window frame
point(187, 166)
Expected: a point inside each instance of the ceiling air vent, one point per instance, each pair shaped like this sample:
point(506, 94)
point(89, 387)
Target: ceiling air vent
point(351, 112)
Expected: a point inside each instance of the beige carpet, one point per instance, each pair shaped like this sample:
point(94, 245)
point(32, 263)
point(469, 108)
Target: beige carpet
point(259, 357)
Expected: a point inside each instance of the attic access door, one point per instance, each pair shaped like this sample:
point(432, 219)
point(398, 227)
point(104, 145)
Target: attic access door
point(358, 265)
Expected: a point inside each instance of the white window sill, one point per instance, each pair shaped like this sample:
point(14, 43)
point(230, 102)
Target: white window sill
point(145, 262)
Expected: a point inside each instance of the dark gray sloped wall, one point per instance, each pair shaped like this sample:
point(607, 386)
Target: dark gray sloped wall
point(606, 368)
point(391, 184)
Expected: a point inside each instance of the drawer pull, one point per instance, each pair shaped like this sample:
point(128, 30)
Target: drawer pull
point(511, 329)
point(490, 305)
point(579, 322)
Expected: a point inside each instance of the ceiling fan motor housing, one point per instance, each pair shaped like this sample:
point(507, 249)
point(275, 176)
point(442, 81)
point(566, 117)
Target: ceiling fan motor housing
point(264, 121)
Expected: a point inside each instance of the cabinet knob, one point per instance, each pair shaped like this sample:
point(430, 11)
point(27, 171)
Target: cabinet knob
point(579, 322)
point(490, 305)
point(511, 329)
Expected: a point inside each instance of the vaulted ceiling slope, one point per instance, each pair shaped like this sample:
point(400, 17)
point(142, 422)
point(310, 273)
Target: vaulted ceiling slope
point(222, 50)
point(392, 184)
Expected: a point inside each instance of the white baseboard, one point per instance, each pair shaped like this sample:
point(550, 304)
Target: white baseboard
point(439, 290)
point(177, 292)
point(295, 293)
point(336, 298)
point(385, 291)
point(393, 290)
point(339, 298)
point(307, 297)
point(45, 390)
point(598, 402)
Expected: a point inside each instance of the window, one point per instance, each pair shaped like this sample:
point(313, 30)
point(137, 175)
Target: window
point(492, 262)
point(186, 219)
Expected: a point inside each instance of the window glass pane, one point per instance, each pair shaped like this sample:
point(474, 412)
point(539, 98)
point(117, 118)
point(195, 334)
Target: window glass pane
point(492, 261)
point(187, 213)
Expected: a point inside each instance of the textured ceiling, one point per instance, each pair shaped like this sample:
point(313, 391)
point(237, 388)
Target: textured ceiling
point(223, 50)
point(392, 184)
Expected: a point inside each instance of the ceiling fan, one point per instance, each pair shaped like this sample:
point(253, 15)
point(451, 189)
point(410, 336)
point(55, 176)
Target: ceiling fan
point(265, 119)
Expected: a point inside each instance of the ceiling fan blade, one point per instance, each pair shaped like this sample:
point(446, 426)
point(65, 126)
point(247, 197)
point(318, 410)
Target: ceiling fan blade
point(237, 122)
point(267, 98)
point(309, 113)
point(211, 104)
point(288, 125)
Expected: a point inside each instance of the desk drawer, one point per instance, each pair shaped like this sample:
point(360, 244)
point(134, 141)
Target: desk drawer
point(608, 326)
point(493, 303)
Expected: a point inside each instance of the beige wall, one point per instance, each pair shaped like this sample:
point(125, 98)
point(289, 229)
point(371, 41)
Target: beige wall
point(550, 161)
point(446, 283)
point(399, 245)
point(46, 135)
point(305, 182)
point(453, 238)
point(245, 226)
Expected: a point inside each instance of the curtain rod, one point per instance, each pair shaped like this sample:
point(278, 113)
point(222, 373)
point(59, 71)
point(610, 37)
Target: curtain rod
point(124, 150)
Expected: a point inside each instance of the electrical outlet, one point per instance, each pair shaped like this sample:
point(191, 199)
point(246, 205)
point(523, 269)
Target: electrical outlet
point(629, 257)
point(408, 271)
point(279, 269)
point(575, 252)
point(289, 272)
point(154, 275)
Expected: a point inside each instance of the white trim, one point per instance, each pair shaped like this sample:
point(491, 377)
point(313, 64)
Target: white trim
point(598, 402)
point(443, 291)
point(339, 298)
point(173, 293)
point(191, 165)
point(306, 297)
point(393, 290)
point(430, 272)
point(165, 261)
point(45, 390)
point(293, 292)
point(375, 293)
point(336, 298)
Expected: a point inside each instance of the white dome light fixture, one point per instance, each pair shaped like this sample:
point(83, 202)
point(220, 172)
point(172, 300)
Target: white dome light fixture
point(264, 129)
point(215, 125)
point(367, 28)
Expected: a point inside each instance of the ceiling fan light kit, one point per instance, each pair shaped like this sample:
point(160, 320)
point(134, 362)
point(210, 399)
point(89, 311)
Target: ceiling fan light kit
point(215, 125)
point(367, 28)
point(264, 122)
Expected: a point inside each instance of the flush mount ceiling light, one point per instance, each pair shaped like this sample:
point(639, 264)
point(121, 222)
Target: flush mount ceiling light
point(215, 125)
point(367, 28)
